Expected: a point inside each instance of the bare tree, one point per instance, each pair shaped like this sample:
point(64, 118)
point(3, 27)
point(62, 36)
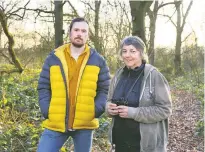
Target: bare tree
point(7, 11)
point(179, 25)
point(181, 20)
point(122, 26)
point(54, 16)
point(152, 28)
point(95, 32)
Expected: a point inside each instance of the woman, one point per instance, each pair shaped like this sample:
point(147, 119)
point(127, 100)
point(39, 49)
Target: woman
point(139, 102)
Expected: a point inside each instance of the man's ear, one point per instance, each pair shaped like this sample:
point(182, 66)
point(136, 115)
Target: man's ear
point(69, 34)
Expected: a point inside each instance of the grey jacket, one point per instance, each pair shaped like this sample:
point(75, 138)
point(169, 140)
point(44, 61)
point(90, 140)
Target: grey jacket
point(153, 111)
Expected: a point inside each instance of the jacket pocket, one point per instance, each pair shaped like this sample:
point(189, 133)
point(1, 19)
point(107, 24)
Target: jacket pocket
point(44, 102)
point(148, 96)
point(150, 136)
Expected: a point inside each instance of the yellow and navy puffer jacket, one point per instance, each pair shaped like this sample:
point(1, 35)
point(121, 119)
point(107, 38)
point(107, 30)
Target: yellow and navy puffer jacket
point(93, 84)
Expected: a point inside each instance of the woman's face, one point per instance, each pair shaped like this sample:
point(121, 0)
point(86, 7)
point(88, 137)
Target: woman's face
point(131, 56)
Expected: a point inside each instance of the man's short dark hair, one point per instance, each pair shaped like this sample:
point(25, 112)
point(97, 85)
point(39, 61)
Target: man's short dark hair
point(78, 19)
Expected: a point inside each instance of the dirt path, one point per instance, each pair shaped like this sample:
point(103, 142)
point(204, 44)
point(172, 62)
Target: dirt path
point(185, 114)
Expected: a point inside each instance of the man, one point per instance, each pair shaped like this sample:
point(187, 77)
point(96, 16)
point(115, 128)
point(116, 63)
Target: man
point(72, 87)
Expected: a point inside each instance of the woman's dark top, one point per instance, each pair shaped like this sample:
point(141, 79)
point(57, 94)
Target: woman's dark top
point(126, 133)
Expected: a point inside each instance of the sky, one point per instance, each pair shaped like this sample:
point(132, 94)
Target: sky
point(165, 31)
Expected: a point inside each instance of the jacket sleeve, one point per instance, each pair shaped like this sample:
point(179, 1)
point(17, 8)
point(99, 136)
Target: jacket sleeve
point(102, 89)
point(44, 89)
point(110, 94)
point(162, 103)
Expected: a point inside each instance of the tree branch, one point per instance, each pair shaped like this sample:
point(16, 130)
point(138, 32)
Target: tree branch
point(9, 4)
point(69, 15)
point(28, 61)
point(64, 3)
point(40, 10)
point(186, 14)
point(170, 19)
point(5, 56)
point(149, 12)
point(14, 58)
point(14, 13)
point(75, 11)
point(162, 5)
point(13, 5)
point(9, 71)
point(187, 37)
point(88, 4)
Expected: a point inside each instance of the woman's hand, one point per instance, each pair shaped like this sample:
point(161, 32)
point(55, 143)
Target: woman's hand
point(112, 109)
point(123, 111)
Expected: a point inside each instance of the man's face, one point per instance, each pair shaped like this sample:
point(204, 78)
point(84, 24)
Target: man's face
point(79, 34)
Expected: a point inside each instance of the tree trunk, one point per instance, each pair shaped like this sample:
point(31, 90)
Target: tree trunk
point(97, 41)
point(12, 54)
point(1, 30)
point(138, 12)
point(177, 61)
point(179, 30)
point(152, 29)
point(58, 25)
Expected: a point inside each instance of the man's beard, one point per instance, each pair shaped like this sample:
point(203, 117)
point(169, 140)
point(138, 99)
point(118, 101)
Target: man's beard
point(77, 45)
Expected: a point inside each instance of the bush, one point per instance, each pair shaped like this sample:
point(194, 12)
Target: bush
point(19, 111)
point(18, 132)
point(19, 93)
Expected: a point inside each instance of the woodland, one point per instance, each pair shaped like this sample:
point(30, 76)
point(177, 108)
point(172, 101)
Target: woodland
point(22, 54)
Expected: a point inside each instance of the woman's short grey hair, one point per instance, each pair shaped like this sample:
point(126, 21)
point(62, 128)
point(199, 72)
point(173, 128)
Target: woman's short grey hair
point(137, 43)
